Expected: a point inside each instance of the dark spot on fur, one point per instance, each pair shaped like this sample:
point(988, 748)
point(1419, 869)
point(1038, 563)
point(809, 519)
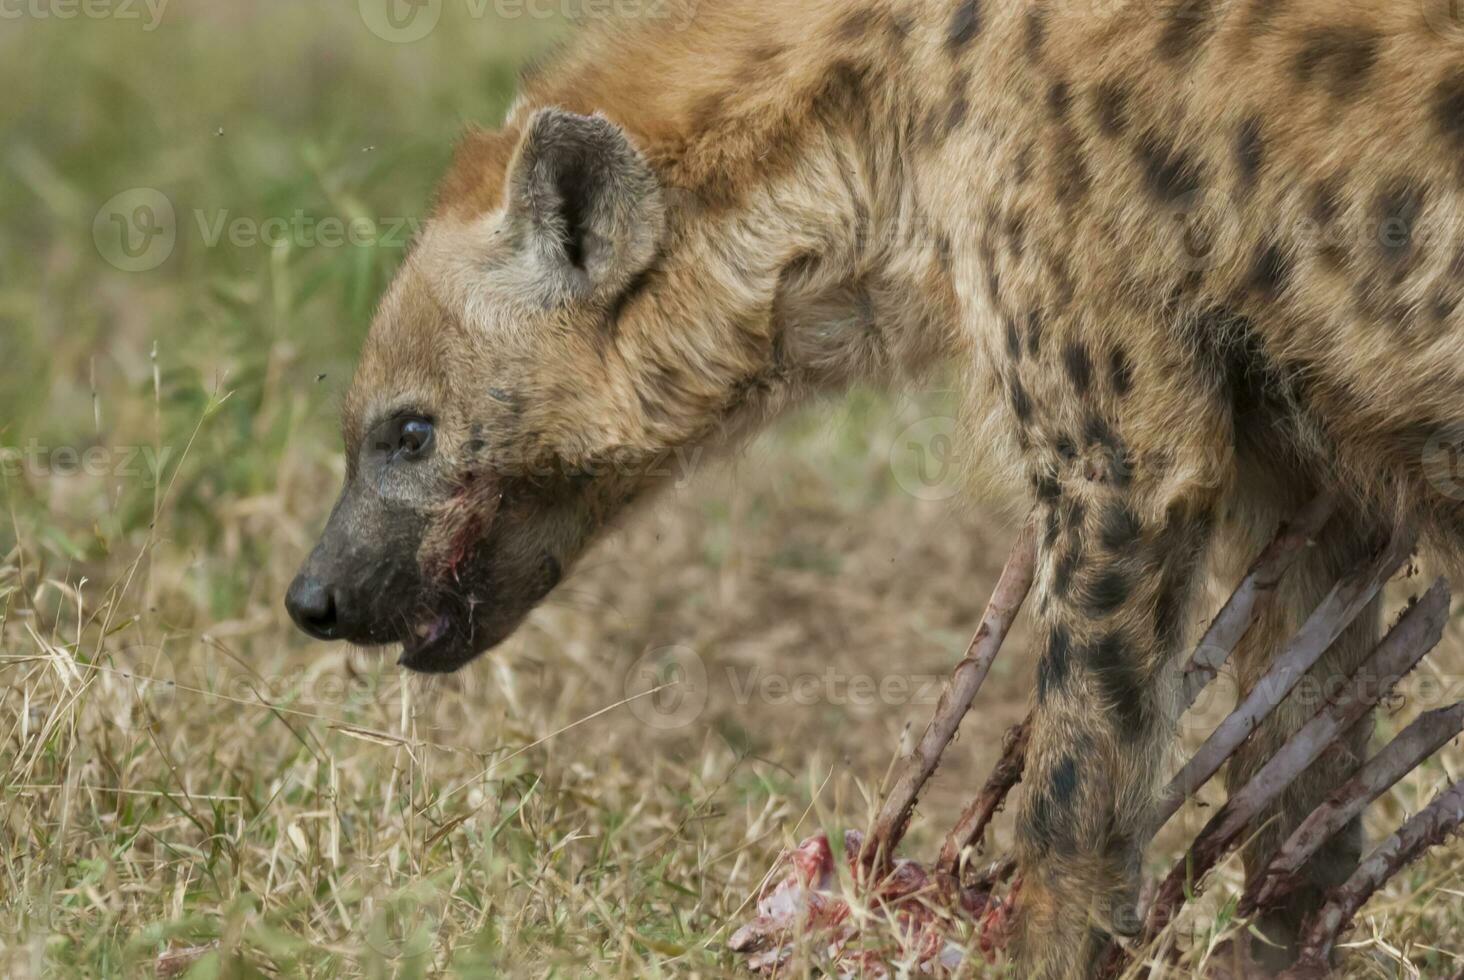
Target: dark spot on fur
point(965, 25)
point(1186, 26)
point(1338, 58)
point(1449, 108)
point(844, 87)
point(1021, 402)
point(1066, 451)
point(1059, 97)
point(1097, 432)
point(1250, 151)
point(1022, 165)
point(899, 28)
point(1034, 31)
point(1119, 527)
point(1121, 684)
point(1120, 372)
point(1110, 108)
point(1398, 208)
point(1013, 340)
point(1034, 333)
point(1047, 828)
point(1016, 232)
point(1166, 616)
point(1052, 669)
point(1326, 198)
point(1047, 489)
point(1079, 367)
point(1054, 528)
point(1106, 591)
point(1074, 514)
point(1168, 173)
point(1270, 271)
point(1063, 785)
point(956, 114)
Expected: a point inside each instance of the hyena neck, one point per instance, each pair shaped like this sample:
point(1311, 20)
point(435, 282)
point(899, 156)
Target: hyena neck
point(784, 151)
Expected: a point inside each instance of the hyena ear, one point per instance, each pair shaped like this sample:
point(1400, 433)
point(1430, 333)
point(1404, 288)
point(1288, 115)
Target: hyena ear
point(584, 201)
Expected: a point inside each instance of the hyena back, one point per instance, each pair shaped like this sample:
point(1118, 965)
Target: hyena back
point(1196, 259)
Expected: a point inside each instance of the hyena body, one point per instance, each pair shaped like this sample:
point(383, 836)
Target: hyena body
point(1197, 260)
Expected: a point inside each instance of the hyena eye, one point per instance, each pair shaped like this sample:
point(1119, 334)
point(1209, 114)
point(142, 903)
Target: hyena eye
point(416, 440)
point(408, 438)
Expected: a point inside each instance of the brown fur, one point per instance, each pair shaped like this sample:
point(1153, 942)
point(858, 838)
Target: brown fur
point(1199, 258)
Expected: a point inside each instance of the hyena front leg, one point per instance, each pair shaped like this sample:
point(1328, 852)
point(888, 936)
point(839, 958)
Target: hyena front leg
point(1118, 564)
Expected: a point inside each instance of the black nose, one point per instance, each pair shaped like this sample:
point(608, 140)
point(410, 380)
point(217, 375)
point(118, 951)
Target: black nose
point(313, 607)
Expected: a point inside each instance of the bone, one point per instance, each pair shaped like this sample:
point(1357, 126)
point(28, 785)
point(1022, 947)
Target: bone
point(1399, 652)
point(1253, 595)
point(966, 680)
point(1430, 827)
point(977, 816)
point(1427, 734)
point(1337, 610)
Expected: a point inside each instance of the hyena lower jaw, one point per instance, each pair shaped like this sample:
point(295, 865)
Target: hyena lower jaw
point(1193, 260)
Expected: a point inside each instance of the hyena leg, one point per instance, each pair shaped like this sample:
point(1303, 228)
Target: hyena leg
point(1117, 570)
point(1344, 545)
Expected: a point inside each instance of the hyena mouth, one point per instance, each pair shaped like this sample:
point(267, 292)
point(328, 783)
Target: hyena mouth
point(428, 643)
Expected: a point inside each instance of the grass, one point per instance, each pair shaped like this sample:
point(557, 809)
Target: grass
point(186, 786)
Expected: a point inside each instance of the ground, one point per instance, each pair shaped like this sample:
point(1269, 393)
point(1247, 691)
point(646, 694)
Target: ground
point(180, 770)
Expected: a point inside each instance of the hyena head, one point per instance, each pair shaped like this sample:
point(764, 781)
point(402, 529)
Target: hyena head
point(544, 357)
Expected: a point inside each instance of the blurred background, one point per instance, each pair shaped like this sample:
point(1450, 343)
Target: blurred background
point(200, 203)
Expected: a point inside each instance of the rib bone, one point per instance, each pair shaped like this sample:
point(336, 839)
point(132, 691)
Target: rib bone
point(1337, 610)
point(1405, 753)
point(1399, 652)
point(955, 700)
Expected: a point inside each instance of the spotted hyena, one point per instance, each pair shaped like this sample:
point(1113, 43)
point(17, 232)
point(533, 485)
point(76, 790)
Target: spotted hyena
point(1197, 260)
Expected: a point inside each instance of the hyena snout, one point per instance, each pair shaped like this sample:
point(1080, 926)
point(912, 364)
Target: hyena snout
point(315, 607)
point(342, 599)
point(361, 579)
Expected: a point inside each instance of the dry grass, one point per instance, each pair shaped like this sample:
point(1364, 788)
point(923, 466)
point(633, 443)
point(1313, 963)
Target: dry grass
point(185, 785)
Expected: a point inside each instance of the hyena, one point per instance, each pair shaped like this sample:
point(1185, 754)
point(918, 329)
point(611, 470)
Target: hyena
point(1196, 260)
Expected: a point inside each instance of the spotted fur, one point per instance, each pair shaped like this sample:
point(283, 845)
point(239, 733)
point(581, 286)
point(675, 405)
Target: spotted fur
point(1196, 258)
